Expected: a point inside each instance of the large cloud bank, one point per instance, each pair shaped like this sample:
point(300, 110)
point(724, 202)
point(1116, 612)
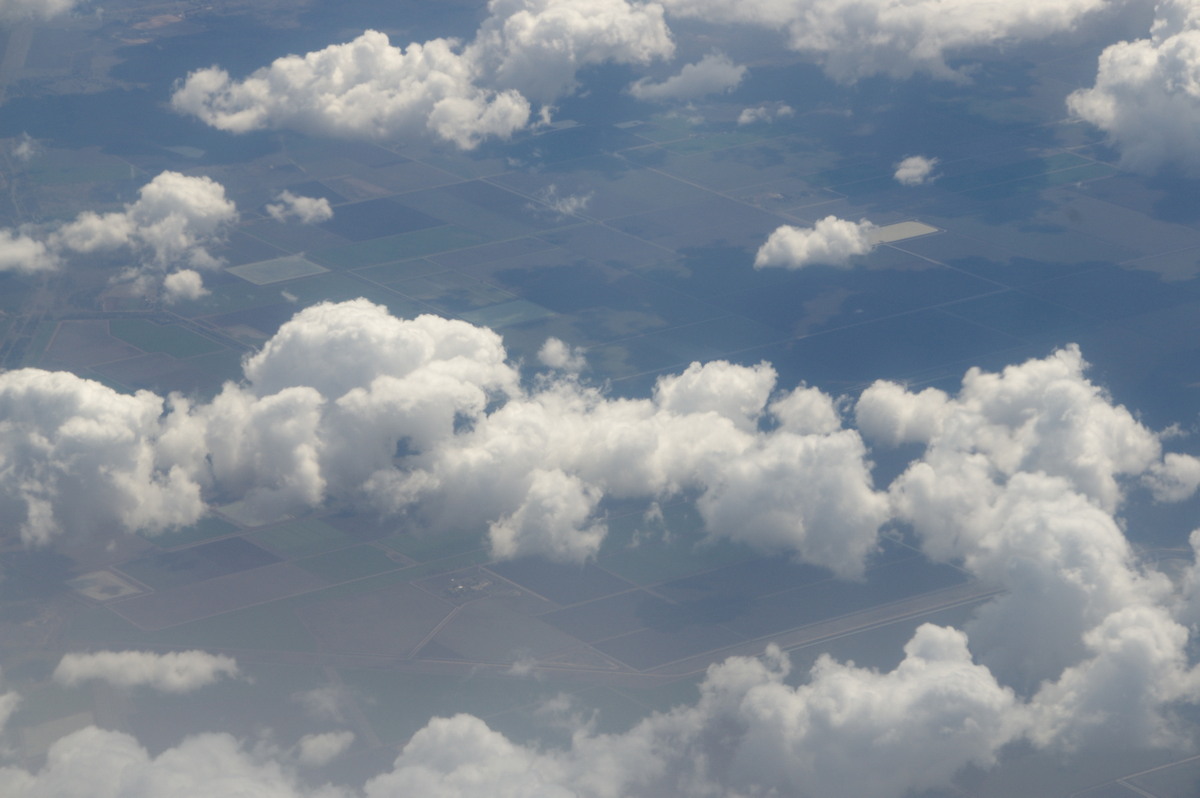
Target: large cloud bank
point(525, 51)
point(1147, 95)
point(327, 403)
point(1019, 478)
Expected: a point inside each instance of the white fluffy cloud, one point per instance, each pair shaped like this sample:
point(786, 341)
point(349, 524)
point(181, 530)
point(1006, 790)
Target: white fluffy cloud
point(557, 354)
point(1021, 475)
point(713, 74)
point(78, 457)
point(1147, 94)
point(830, 242)
point(367, 88)
point(853, 39)
point(173, 672)
point(915, 170)
point(22, 252)
point(306, 210)
point(1019, 479)
point(329, 400)
point(317, 750)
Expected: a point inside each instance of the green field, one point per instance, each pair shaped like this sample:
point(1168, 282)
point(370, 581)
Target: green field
point(301, 538)
point(415, 244)
point(273, 626)
point(508, 313)
point(151, 337)
point(204, 529)
point(660, 557)
point(426, 547)
point(352, 563)
point(276, 270)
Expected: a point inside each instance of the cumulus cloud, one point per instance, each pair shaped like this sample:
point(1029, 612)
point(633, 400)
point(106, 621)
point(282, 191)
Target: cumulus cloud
point(765, 113)
point(854, 39)
point(306, 210)
point(1018, 480)
point(831, 242)
point(557, 354)
point(173, 672)
point(713, 74)
point(318, 750)
point(22, 252)
point(368, 88)
point(1145, 97)
point(77, 457)
point(330, 399)
point(915, 170)
point(1021, 476)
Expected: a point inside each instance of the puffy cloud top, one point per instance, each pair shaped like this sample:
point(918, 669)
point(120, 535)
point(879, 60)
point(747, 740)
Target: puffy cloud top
point(1147, 93)
point(173, 672)
point(830, 242)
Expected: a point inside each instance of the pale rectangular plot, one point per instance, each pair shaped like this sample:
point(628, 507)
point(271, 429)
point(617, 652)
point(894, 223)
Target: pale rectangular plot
point(901, 231)
point(276, 270)
point(214, 596)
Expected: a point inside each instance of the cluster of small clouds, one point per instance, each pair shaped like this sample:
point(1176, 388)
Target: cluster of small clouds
point(829, 242)
point(1019, 480)
point(767, 112)
point(525, 51)
point(169, 229)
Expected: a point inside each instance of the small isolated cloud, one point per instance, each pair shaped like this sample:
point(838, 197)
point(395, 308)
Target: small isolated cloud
point(306, 210)
point(173, 672)
point(1145, 97)
point(318, 750)
point(915, 170)
point(713, 74)
point(831, 242)
point(25, 148)
point(767, 112)
point(563, 205)
point(557, 354)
